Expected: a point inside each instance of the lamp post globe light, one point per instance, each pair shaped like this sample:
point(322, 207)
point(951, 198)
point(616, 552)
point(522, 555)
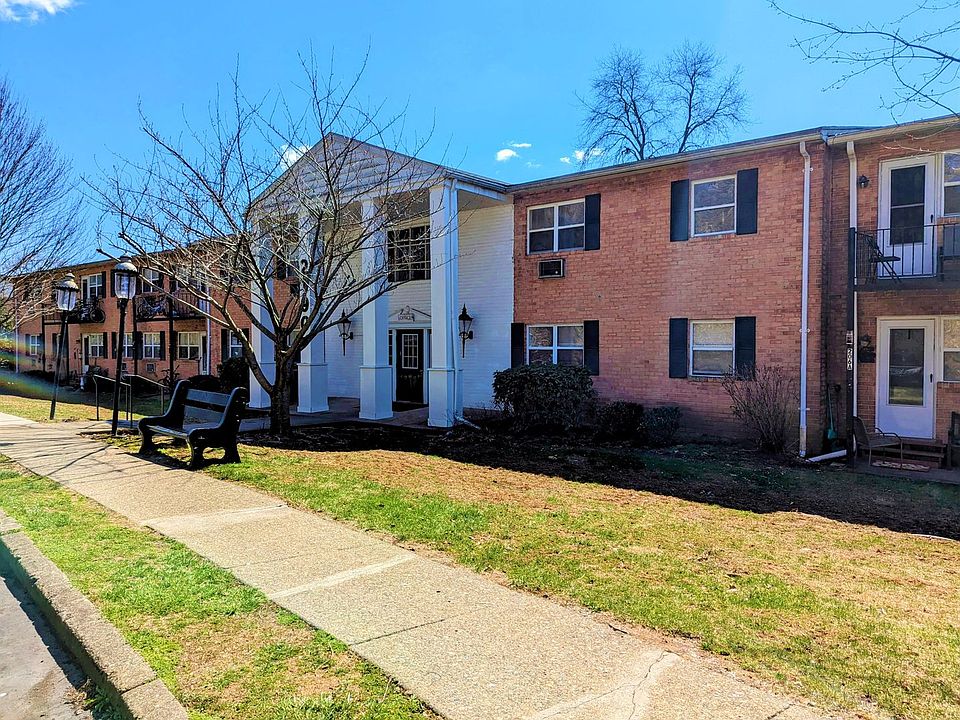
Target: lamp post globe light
point(125, 288)
point(65, 293)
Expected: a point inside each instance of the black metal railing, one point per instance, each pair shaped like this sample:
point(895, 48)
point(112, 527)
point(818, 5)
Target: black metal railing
point(887, 256)
point(180, 304)
point(87, 310)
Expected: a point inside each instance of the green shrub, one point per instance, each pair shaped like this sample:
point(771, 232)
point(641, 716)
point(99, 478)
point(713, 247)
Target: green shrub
point(544, 396)
point(205, 382)
point(234, 373)
point(661, 425)
point(621, 420)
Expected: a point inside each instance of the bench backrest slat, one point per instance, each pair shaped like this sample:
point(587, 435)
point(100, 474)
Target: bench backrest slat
point(192, 413)
point(205, 397)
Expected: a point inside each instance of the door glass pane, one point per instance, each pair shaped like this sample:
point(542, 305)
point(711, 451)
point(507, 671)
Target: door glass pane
point(906, 366)
point(906, 185)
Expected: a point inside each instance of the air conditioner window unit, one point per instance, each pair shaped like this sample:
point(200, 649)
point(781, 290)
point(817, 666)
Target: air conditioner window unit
point(552, 268)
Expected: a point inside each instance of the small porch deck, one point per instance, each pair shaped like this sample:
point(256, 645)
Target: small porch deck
point(342, 410)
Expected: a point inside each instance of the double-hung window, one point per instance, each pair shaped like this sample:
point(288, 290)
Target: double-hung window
point(408, 253)
point(151, 345)
point(151, 280)
point(714, 204)
point(96, 345)
point(556, 344)
point(552, 228)
point(711, 347)
point(236, 346)
point(128, 345)
point(951, 349)
point(34, 345)
point(188, 345)
point(951, 184)
point(94, 285)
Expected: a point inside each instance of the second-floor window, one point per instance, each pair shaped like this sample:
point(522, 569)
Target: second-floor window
point(94, 286)
point(188, 345)
point(714, 203)
point(552, 228)
point(34, 345)
point(151, 280)
point(951, 184)
point(151, 346)
point(408, 253)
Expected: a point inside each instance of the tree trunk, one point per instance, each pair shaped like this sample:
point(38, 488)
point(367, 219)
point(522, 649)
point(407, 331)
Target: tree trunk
point(280, 400)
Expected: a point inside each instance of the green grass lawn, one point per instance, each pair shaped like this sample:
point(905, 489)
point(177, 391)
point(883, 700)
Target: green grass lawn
point(791, 574)
point(29, 397)
point(224, 650)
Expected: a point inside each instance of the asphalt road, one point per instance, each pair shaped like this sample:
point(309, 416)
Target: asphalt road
point(38, 679)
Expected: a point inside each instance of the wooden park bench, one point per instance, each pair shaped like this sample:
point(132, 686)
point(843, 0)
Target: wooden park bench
point(200, 418)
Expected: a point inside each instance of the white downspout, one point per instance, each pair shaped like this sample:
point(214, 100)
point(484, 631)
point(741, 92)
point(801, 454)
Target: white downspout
point(804, 298)
point(852, 156)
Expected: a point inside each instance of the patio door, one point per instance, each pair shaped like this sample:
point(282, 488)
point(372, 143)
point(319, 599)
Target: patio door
point(907, 211)
point(905, 367)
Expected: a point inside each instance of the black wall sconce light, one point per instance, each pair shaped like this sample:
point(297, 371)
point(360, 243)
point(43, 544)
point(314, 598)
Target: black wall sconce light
point(863, 181)
point(345, 333)
point(466, 322)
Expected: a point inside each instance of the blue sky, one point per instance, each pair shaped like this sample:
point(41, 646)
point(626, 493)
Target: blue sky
point(488, 73)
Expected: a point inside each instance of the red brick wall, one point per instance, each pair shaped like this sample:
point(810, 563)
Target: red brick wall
point(74, 356)
point(638, 280)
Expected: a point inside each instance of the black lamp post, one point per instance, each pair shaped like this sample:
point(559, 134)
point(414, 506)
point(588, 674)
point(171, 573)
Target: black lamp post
point(125, 288)
point(466, 322)
point(344, 324)
point(65, 295)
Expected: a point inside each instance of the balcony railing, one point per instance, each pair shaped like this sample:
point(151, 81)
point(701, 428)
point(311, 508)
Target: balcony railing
point(179, 305)
point(87, 310)
point(888, 256)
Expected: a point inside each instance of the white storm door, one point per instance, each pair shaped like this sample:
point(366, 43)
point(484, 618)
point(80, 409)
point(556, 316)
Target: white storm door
point(907, 212)
point(905, 386)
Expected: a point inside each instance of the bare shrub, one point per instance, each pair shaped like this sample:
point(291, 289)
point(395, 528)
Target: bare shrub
point(765, 405)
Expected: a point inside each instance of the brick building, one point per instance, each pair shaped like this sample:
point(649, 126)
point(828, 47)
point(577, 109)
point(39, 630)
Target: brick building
point(163, 334)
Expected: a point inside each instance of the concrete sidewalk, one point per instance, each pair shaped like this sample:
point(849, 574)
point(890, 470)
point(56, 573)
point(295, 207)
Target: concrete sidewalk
point(470, 648)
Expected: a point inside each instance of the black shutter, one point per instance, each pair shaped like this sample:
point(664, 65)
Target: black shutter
point(591, 219)
point(163, 345)
point(678, 347)
point(224, 344)
point(113, 283)
point(86, 350)
point(137, 345)
point(745, 347)
point(591, 346)
point(173, 345)
point(517, 337)
point(747, 201)
point(103, 284)
point(679, 210)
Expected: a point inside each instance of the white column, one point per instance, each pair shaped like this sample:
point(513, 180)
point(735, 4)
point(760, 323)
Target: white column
point(445, 383)
point(312, 377)
point(376, 376)
point(263, 349)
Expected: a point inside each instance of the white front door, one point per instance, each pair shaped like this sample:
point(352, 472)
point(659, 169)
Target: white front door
point(905, 367)
point(907, 212)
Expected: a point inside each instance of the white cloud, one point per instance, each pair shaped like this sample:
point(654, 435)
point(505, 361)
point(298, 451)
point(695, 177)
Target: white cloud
point(288, 155)
point(531, 164)
point(565, 159)
point(506, 154)
point(521, 146)
point(31, 10)
point(579, 155)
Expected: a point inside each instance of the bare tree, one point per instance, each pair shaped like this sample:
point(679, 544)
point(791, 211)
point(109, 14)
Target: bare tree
point(917, 48)
point(263, 230)
point(39, 211)
point(636, 110)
